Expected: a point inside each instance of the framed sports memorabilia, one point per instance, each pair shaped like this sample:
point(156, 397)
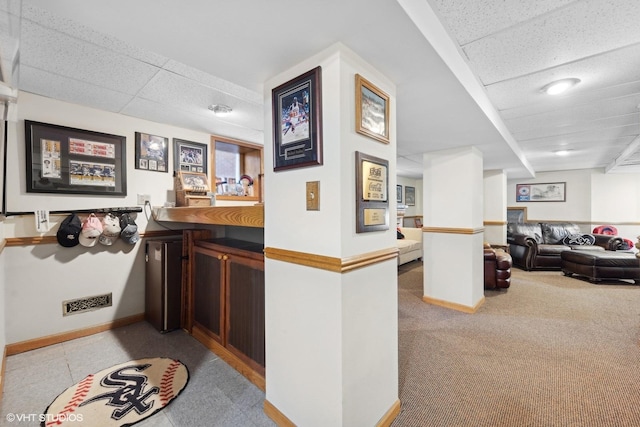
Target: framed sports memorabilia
point(151, 152)
point(372, 193)
point(297, 122)
point(190, 156)
point(67, 160)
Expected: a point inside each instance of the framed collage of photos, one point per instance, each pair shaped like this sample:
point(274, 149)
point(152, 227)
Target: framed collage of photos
point(372, 193)
point(297, 122)
point(67, 160)
point(190, 156)
point(152, 152)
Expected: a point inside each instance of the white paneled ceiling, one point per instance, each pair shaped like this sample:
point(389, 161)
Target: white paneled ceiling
point(467, 72)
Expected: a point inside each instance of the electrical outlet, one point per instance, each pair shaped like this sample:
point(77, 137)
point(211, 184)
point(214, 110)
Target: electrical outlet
point(143, 198)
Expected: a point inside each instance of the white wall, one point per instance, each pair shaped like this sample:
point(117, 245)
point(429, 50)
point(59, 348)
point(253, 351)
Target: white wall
point(593, 198)
point(411, 210)
point(37, 279)
point(3, 313)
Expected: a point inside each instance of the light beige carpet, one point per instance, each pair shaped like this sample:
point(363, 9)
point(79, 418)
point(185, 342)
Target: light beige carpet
point(549, 351)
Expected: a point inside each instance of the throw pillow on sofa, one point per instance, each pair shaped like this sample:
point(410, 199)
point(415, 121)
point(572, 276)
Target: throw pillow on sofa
point(400, 235)
point(579, 240)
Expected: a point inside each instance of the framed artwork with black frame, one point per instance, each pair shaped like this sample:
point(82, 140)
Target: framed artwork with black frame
point(541, 192)
point(67, 160)
point(410, 196)
point(399, 193)
point(190, 156)
point(297, 122)
point(152, 152)
point(372, 193)
point(372, 110)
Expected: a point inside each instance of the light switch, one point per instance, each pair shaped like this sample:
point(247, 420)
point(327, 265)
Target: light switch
point(313, 195)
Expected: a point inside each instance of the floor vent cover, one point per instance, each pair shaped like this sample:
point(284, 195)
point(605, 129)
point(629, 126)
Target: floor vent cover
point(81, 305)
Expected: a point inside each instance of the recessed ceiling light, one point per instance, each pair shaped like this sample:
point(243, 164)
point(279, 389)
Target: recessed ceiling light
point(562, 152)
point(220, 109)
point(559, 86)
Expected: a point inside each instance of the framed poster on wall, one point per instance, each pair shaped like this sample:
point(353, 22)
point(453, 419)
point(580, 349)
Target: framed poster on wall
point(67, 160)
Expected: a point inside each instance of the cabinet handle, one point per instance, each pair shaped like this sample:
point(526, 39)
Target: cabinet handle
point(220, 257)
point(225, 257)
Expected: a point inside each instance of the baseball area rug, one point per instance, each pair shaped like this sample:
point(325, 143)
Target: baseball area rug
point(119, 396)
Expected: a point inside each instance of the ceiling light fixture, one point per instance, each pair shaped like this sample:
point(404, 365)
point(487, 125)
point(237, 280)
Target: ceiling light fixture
point(562, 152)
point(220, 109)
point(559, 86)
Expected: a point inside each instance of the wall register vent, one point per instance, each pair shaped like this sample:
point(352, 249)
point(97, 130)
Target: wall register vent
point(81, 305)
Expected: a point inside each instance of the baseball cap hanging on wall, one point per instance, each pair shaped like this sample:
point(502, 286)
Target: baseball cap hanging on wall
point(129, 233)
point(69, 231)
point(110, 230)
point(91, 230)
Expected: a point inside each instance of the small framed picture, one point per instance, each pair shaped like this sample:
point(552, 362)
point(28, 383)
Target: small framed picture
point(409, 196)
point(372, 110)
point(152, 152)
point(190, 156)
point(399, 193)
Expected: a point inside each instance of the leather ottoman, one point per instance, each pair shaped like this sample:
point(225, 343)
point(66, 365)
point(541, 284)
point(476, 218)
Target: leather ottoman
point(600, 265)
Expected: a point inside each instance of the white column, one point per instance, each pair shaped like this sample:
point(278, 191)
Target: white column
point(331, 331)
point(453, 231)
point(495, 207)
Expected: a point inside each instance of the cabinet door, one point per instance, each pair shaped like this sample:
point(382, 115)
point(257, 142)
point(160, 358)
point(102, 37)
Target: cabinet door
point(208, 292)
point(245, 310)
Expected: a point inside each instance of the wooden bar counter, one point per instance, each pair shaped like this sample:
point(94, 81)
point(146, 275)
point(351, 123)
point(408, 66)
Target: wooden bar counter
point(244, 216)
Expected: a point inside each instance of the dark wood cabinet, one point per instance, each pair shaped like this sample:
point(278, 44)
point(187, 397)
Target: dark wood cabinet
point(227, 304)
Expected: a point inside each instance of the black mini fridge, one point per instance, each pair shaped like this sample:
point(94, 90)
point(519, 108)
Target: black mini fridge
point(163, 276)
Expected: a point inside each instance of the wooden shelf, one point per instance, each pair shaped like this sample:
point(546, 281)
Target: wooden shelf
point(245, 216)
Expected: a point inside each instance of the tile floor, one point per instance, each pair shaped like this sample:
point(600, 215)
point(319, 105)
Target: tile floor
point(216, 395)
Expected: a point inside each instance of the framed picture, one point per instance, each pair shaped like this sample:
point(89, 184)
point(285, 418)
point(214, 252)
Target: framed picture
point(544, 192)
point(409, 196)
point(66, 160)
point(399, 193)
point(516, 214)
point(190, 156)
point(297, 122)
point(372, 110)
point(152, 152)
point(372, 193)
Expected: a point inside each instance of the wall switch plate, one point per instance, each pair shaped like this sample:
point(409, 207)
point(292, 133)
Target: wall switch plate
point(313, 195)
point(143, 198)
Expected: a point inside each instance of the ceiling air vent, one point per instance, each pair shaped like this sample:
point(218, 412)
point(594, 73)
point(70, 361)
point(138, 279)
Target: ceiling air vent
point(81, 305)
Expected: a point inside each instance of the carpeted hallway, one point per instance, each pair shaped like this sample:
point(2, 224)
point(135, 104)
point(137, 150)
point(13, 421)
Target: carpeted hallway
point(549, 351)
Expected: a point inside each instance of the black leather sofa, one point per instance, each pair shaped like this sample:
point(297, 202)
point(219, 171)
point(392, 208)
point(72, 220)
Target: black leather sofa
point(537, 246)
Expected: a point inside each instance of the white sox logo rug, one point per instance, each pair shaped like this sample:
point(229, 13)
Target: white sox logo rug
point(119, 396)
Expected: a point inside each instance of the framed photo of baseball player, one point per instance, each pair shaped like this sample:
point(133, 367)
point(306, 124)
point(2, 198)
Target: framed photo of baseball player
point(297, 122)
point(372, 110)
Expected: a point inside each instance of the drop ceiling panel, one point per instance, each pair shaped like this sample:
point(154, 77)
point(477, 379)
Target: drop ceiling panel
point(193, 98)
point(159, 113)
point(61, 54)
point(472, 20)
point(50, 23)
point(66, 89)
point(582, 29)
point(626, 107)
point(607, 123)
point(604, 75)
